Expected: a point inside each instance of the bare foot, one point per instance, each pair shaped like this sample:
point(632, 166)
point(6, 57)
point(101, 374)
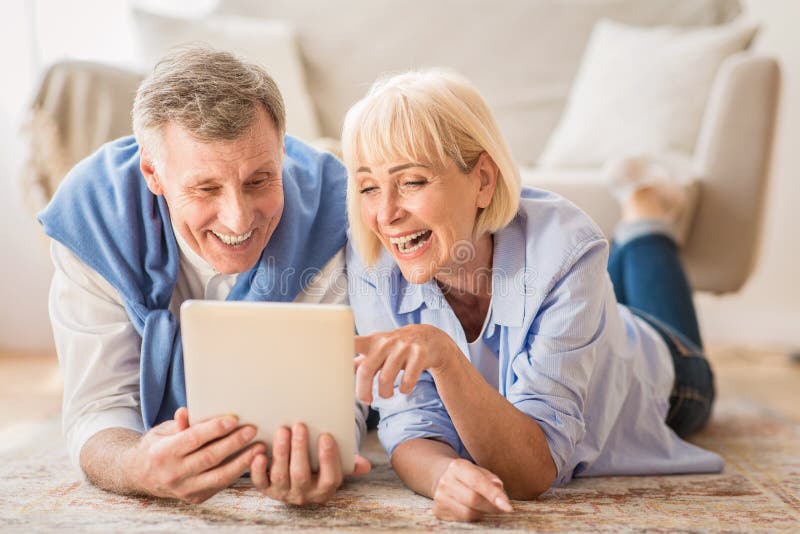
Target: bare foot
point(655, 202)
point(648, 190)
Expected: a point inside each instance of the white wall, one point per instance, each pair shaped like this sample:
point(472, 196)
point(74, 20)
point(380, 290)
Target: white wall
point(24, 264)
point(63, 29)
point(767, 309)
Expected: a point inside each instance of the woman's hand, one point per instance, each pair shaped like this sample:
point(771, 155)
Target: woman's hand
point(466, 492)
point(412, 349)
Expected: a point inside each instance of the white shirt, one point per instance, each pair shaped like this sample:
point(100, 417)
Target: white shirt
point(98, 347)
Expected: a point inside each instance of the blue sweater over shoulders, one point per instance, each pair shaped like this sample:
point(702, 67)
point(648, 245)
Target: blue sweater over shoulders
point(105, 214)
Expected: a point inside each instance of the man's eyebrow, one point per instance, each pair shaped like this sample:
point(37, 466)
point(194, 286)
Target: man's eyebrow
point(265, 170)
point(395, 169)
point(199, 179)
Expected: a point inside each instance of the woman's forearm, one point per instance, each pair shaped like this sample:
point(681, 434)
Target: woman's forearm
point(420, 463)
point(498, 436)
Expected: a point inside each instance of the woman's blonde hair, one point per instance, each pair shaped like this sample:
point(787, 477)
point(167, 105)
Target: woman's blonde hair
point(429, 117)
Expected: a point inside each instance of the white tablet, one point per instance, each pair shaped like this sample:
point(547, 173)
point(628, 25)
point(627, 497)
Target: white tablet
point(272, 365)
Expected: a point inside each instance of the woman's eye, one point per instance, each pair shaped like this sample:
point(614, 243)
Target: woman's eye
point(367, 190)
point(414, 183)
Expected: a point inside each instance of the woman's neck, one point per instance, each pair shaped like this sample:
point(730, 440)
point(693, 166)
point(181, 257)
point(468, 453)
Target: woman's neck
point(470, 271)
point(468, 288)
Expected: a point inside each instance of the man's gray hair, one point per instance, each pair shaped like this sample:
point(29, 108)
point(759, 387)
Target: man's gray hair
point(211, 93)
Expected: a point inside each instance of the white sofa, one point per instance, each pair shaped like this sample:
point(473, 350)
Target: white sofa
point(523, 55)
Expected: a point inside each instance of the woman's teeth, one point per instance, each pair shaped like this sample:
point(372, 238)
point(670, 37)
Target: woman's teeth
point(406, 244)
point(233, 239)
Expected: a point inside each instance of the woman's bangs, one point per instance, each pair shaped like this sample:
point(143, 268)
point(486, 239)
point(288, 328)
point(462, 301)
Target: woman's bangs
point(390, 131)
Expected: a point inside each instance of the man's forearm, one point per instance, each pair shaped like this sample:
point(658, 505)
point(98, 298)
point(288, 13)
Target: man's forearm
point(420, 463)
point(103, 459)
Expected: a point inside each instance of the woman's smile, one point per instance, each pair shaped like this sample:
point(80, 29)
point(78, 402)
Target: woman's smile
point(411, 245)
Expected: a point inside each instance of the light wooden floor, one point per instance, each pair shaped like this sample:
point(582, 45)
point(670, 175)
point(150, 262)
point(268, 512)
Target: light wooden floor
point(766, 376)
point(31, 385)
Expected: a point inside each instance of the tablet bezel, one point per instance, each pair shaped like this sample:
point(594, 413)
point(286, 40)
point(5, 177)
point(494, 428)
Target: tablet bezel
point(281, 342)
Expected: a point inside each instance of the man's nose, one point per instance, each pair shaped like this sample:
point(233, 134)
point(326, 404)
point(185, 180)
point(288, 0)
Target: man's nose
point(235, 213)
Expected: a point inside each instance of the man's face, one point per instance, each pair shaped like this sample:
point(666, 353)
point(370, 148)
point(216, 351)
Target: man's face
point(224, 197)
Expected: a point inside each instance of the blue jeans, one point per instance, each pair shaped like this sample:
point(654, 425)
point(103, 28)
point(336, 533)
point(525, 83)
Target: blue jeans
point(648, 278)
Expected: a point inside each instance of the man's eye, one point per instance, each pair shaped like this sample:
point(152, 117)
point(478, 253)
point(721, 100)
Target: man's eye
point(257, 183)
point(207, 189)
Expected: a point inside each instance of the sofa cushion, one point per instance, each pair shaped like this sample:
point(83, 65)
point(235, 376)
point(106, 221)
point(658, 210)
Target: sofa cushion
point(641, 90)
point(592, 191)
point(586, 188)
point(269, 43)
point(521, 54)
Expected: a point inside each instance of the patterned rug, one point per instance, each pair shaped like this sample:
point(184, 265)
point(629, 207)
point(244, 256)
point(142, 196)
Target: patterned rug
point(759, 491)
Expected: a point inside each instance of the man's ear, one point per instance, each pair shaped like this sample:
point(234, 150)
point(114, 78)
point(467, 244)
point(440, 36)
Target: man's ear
point(487, 171)
point(148, 169)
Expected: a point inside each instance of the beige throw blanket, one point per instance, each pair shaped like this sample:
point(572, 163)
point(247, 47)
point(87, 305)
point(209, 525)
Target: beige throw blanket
point(79, 106)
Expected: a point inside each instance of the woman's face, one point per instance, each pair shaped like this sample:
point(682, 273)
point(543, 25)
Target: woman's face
point(425, 216)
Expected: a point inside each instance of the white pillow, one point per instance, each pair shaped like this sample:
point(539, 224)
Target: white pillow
point(271, 44)
point(641, 90)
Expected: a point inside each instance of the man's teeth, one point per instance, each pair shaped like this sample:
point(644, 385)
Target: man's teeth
point(233, 239)
point(403, 243)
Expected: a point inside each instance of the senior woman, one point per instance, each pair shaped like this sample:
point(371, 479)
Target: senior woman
point(491, 339)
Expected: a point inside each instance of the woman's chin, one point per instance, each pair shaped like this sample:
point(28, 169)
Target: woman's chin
point(417, 265)
point(416, 274)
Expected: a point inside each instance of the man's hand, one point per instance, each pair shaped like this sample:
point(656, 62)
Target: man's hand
point(290, 478)
point(465, 492)
point(193, 463)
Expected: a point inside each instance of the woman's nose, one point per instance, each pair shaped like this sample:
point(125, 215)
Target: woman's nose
point(390, 209)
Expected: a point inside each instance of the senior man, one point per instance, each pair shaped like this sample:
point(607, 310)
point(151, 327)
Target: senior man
point(208, 200)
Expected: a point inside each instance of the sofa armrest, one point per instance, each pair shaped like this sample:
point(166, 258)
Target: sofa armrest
point(732, 157)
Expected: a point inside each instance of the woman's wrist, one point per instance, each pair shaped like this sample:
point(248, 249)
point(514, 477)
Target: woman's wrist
point(441, 469)
point(421, 463)
point(452, 363)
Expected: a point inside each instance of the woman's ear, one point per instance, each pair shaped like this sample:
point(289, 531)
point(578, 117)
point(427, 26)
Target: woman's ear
point(148, 169)
point(487, 172)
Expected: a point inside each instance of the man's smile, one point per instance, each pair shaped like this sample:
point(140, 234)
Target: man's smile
point(233, 239)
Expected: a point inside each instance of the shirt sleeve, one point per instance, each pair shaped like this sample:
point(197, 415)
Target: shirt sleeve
point(420, 414)
point(98, 350)
point(551, 376)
